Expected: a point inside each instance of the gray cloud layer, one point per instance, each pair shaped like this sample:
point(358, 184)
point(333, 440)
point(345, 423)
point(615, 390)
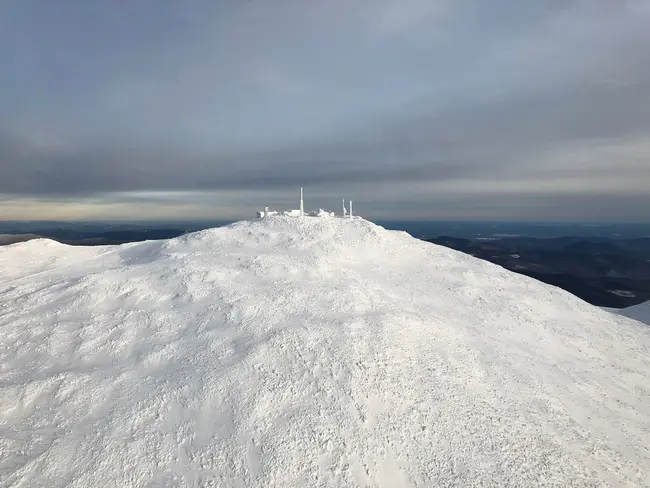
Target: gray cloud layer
point(500, 104)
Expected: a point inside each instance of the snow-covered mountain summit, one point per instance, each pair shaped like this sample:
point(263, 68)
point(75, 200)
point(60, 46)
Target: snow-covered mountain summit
point(302, 352)
point(640, 312)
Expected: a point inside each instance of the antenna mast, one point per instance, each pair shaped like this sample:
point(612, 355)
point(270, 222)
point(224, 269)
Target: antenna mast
point(350, 208)
point(302, 205)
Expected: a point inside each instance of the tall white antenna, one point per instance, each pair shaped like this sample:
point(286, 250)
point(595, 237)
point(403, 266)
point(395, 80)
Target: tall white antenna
point(350, 208)
point(302, 205)
point(345, 211)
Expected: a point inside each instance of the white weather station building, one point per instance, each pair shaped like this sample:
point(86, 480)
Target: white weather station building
point(300, 212)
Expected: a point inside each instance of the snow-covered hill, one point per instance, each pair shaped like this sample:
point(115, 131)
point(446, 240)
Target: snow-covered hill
point(300, 352)
point(639, 312)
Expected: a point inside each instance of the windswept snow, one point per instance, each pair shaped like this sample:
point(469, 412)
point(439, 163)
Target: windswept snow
point(639, 312)
point(298, 352)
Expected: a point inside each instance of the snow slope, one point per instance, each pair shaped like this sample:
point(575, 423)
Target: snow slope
point(639, 312)
point(298, 352)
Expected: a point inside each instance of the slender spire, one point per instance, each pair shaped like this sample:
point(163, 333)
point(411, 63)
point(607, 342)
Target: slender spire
point(350, 208)
point(302, 205)
point(345, 212)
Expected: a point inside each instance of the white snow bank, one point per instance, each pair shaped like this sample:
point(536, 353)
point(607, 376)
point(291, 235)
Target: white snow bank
point(309, 352)
point(639, 312)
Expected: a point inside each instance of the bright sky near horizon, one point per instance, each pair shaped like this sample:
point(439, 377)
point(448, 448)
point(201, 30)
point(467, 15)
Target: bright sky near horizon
point(468, 109)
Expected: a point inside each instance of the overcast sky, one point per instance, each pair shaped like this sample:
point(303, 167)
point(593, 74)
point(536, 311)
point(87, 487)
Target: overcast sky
point(427, 109)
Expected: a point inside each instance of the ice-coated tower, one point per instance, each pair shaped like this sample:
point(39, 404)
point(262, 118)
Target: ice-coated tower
point(302, 205)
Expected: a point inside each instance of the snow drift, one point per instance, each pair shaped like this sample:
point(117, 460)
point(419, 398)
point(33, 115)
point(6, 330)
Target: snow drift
point(302, 352)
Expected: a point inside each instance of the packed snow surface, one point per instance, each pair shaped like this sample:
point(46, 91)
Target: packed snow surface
point(639, 312)
point(297, 352)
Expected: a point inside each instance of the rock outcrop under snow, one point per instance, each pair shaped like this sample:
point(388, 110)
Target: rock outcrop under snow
point(297, 352)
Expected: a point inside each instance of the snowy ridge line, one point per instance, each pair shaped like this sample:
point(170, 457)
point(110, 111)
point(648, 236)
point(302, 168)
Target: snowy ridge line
point(309, 352)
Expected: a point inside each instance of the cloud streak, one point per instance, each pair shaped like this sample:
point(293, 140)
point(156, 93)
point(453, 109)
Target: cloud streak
point(512, 106)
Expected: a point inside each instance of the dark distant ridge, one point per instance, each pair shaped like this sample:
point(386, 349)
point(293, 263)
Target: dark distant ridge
point(81, 238)
point(593, 247)
point(457, 243)
point(604, 272)
point(6, 239)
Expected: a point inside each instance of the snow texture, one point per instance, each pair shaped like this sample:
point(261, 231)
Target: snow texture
point(639, 312)
point(296, 352)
